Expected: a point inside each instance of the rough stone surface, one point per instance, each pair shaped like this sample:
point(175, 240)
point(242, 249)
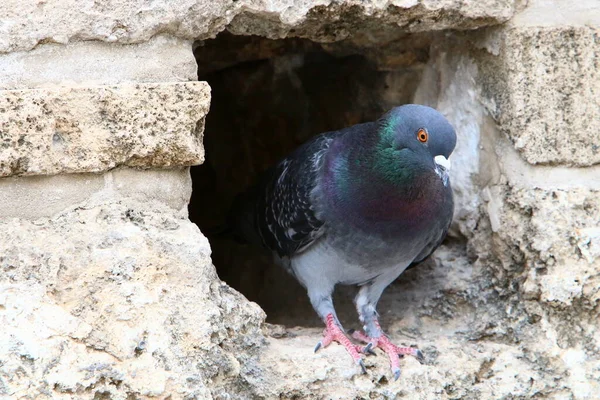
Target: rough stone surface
point(542, 85)
point(557, 13)
point(502, 158)
point(119, 300)
point(547, 244)
point(33, 197)
point(545, 231)
point(164, 59)
point(93, 129)
point(449, 84)
point(560, 263)
point(106, 288)
point(26, 24)
point(478, 345)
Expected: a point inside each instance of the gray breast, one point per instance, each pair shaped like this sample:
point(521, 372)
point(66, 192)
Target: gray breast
point(372, 251)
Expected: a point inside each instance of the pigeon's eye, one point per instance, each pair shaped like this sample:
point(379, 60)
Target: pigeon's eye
point(422, 135)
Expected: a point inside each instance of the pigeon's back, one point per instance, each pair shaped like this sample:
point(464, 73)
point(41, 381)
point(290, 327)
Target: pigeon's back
point(278, 212)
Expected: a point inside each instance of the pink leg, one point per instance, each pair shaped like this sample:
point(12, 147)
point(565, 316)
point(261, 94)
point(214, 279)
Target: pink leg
point(333, 333)
point(366, 302)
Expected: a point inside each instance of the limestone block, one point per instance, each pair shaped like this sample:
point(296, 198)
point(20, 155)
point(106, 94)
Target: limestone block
point(555, 13)
point(161, 59)
point(119, 300)
point(554, 235)
point(366, 22)
point(29, 23)
point(548, 243)
point(93, 129)
point(542, 85)
point(33, 197)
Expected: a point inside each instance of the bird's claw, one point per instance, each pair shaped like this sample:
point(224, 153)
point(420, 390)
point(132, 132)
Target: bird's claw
point(318, 346)
point(334, 333)
point(394, 352)
point(362, 366)
point(368, 349)
point(419, 356)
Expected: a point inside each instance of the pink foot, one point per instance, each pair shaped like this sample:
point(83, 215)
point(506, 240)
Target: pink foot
point(394, 352)
point(333, 333)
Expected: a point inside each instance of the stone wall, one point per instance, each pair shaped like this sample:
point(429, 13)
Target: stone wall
point(107, 289)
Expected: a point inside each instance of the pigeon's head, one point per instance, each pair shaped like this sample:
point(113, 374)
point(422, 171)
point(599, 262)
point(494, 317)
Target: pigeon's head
point(422, 133)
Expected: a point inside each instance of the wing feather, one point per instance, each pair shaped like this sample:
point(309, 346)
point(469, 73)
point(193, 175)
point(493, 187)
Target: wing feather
point(279, 212)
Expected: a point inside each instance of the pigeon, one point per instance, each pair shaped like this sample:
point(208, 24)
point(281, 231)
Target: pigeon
point(357, 206)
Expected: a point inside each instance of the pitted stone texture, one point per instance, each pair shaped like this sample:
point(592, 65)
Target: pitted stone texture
point(29, 23)
point(487, 371)
point(161, 59)
point(366, 22)
point(93, 129)
point(119, 300)
point(548, 245)
point(510, 164)
point(542, 85)
point(552, 237)
point(473, 348)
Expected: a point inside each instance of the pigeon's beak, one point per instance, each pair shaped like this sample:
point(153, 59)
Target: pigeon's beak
point(442, 162)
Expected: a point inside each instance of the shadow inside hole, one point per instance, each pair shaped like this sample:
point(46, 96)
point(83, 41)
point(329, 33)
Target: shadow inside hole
point(268, 97)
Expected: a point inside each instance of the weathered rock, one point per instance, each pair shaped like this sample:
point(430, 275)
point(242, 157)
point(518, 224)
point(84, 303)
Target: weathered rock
point(547, 237)
point(548, 246)
point(367, 23)
point(451, 312)
point(106, 288)
point(33, 197)
point(487, 371)
point(562, 262)
point(29, 23)
point(164, 59)
point(93, 129)
point(119, 300)
point(449, 84)
point(542, 85)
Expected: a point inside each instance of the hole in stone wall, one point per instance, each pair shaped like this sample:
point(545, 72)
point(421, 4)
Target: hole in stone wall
point(268, 97)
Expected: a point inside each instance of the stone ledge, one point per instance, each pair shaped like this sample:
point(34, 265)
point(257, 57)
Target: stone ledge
point(93, 129)
point(161, 59)
point(329, 374)
point(119, 21)
point(542, 86)
point(32, 197)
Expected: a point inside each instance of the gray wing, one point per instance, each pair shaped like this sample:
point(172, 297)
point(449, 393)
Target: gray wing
point(428, 250)
point(279, 212)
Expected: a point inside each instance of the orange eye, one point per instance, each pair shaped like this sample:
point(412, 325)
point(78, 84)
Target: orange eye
point(422, 135)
